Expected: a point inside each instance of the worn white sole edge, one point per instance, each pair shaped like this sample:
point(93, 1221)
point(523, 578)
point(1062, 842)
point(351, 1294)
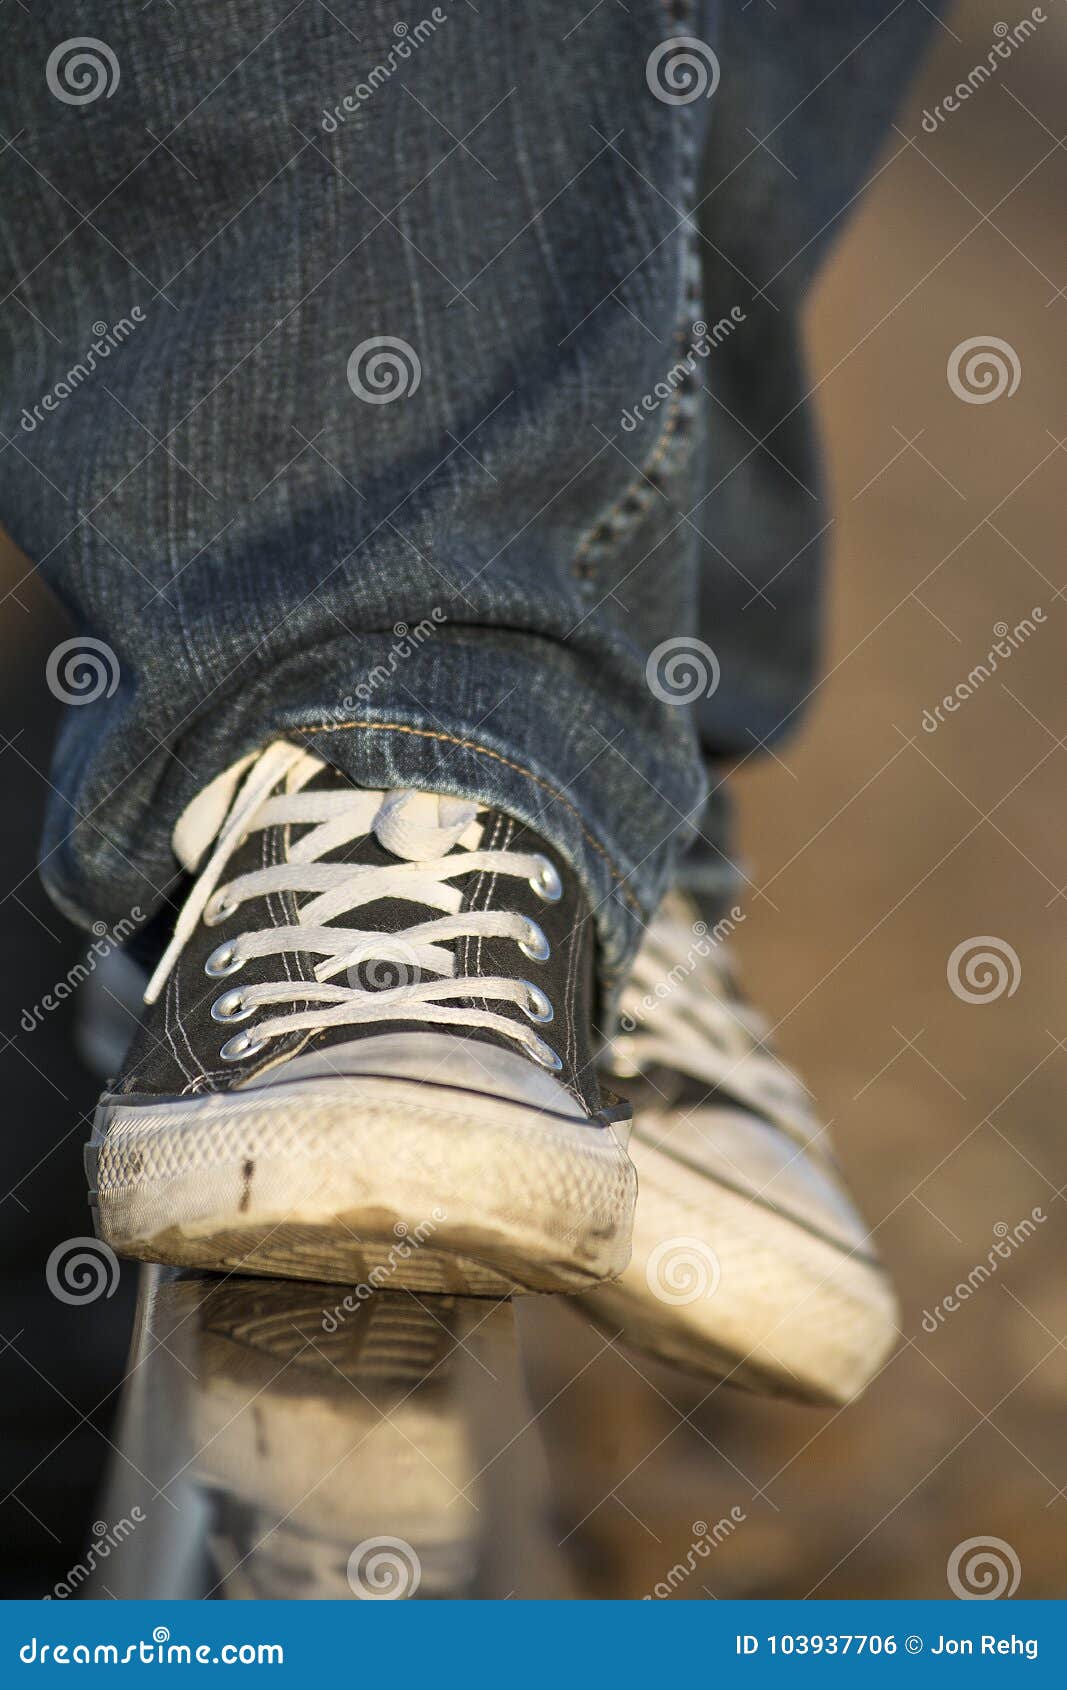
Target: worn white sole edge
point(362, 1179)
point(777, 1309)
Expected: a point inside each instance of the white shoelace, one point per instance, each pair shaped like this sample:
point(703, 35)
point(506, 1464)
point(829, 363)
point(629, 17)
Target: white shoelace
point(685, 1016)
point(419, 830)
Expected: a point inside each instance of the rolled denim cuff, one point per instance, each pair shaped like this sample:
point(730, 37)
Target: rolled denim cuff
point(607, 774)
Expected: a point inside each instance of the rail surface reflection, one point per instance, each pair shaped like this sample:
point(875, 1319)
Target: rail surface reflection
point(283, 1439)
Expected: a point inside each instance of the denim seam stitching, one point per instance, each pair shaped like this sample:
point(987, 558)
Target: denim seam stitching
point(677, 412)
point(637, 490)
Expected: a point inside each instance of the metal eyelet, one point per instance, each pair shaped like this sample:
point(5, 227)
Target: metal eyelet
point(543, 1054)
point(219, 909)
point(535, 945)
point(231, 1007)
point(242, 1045)
point(537, 1006)
point(223, 960)
point(546, 882)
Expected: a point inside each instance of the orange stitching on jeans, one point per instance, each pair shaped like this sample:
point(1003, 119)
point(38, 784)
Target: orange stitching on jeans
point(484, 751)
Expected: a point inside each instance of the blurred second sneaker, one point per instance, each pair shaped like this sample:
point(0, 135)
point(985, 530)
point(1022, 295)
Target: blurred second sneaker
point(750, 1262)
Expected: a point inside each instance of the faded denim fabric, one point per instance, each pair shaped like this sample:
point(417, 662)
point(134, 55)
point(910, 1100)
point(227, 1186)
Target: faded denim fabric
point(360, 384)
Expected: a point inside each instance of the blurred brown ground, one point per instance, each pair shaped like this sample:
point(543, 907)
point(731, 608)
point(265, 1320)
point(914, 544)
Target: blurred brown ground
point(876, 848)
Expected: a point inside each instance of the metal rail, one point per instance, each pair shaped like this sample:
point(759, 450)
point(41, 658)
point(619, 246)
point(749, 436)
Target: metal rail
point(274, 1442)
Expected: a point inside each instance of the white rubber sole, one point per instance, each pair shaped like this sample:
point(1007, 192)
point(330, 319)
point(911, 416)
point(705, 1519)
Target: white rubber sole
point(725, 1287)
point(365, 1180)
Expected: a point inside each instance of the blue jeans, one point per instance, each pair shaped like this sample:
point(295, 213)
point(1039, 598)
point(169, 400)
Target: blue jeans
point(376, 384)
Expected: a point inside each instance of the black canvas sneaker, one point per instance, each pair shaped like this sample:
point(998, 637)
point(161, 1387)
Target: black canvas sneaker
point(369, 1054)
point(750, 1261)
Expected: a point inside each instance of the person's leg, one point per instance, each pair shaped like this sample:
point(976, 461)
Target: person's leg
point(326, 331)
point(319, 330)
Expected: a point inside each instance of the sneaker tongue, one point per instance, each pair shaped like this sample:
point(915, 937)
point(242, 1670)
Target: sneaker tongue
point(413, 827)
point(423, 826)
